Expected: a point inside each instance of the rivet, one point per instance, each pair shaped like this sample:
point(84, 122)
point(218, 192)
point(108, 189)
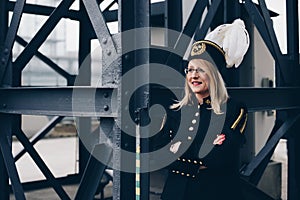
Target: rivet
point(104, 41)
point(106, 108)
point(108, 52)
point(105, 95)
point(6, 51)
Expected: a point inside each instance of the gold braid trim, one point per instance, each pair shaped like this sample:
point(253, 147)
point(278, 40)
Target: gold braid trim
point(212, 44)
point(234, 125)
point(244, 125)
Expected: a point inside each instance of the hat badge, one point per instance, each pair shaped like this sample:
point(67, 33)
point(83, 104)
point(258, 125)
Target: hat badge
point(198, 49)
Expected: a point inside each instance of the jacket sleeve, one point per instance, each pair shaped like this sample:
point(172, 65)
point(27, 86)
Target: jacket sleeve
point(226, 155)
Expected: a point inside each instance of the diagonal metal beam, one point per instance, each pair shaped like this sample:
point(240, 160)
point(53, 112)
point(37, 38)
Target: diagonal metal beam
point(186, 35)
point(202, 31)
point(264, 25)
point(41, 165)
point(39, 135)
point(5, 136)
point(270, 29)
point(70, 78)
point(286, 126)
point(100, 26)
point(10, 37)
point(258, 20)
point(42, 34)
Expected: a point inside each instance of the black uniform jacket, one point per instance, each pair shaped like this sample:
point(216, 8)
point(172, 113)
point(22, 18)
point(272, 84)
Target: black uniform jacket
point(203, 167)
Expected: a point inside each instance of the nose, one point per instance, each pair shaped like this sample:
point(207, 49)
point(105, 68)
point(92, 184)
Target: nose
point(194, 74)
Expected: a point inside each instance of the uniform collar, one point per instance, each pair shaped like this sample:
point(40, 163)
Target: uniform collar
point(206, 102)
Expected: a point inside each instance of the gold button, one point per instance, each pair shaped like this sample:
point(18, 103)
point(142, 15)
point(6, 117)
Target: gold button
point(178, 158)
point(193, 176)
point(187, 174)
point(191, 128)
point(197, 114)
point(200, 162)
point(173, 171)
point(194, 121)
point(171, 131)
point(195, 161)
point(189, 160)
point(182, 174)
point(183, 160)
point(177, 172)
point(189, 137)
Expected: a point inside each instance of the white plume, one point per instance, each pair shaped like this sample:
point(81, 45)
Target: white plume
point(234, 39)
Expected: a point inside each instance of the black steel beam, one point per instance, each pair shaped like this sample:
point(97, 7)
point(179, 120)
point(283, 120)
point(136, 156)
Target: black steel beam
point(89, 184)
point(65, 101)
point(70, 78)
point(29, 51)
point(5, 149)
point(99, 101)
point(284, 129)
point(41, 165)
point(10, 37)
point(39, 135)
point(260, 99)
point(202, 31)
point(292, 30)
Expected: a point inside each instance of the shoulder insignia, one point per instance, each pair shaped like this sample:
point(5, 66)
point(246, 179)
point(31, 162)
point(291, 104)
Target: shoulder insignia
point(237, 121)
point(244, 125)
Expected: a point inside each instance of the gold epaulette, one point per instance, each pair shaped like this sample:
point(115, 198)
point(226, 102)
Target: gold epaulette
point(238, 120)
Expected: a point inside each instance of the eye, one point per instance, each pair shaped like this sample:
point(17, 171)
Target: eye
point(200, 70)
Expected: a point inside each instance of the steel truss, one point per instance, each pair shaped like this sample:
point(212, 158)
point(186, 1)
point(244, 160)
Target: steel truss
point(134, 14)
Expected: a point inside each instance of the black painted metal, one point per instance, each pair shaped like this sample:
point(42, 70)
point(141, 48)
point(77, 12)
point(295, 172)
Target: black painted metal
point(202, 31)
point(70, 78)
point(173, 18)
point(10, 37)
point(4, 181)
point(89, 184)
point(5, 146)
point(42, 34)
point(39, 102)
point(39, 135)
point(266, 30)
point(293, 148)
point(41, 164)
point(63, 101)
point(288, 125)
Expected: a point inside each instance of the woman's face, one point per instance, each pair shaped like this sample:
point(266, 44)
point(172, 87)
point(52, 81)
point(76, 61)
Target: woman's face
point(197, 78)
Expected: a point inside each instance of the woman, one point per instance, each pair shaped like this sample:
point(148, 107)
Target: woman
point(204, 131)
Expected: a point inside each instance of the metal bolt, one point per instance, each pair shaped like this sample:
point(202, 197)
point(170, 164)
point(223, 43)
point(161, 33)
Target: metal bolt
point(106, 108)
point(6, 51)
point(3, 61)
point(104, 41)
point(108, 52)
point(105, 95)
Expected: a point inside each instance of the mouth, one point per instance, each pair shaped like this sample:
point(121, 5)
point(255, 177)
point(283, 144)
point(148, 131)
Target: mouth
point(196, 83)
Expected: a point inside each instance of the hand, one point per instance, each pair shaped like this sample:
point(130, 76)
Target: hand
point(220, 139)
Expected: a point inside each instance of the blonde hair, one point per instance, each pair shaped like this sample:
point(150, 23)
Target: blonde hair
point(217, 90)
